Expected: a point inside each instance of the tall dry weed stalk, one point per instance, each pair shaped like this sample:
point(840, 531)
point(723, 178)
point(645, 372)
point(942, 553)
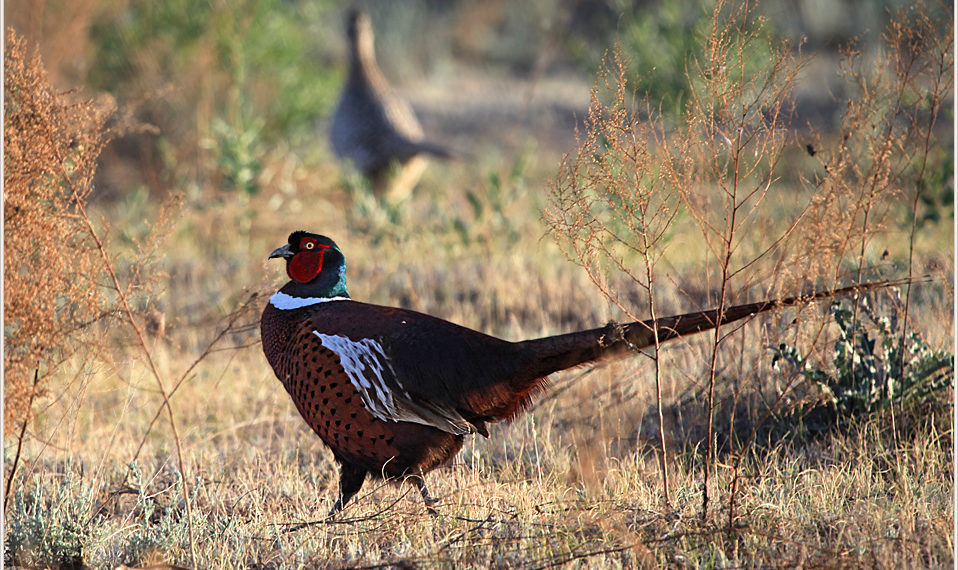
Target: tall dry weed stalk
point(889, 140)
point(612, 206)
point(735, 134)
point(874, 176)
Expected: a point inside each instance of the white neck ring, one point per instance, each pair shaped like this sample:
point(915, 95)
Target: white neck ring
point(285, 302)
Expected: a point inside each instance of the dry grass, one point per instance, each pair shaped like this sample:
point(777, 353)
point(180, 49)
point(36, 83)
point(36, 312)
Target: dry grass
point(112, 475)
point(567, 481)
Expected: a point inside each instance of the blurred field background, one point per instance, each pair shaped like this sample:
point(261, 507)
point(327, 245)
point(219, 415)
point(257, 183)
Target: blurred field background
point(167, 148)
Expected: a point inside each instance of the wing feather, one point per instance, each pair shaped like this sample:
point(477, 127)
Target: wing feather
point(409, 366)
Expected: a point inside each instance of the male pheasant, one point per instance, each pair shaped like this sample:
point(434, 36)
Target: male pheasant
point(373, 127)
point(393, 392)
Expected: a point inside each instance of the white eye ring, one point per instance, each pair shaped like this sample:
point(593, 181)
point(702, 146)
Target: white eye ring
point(310, 245)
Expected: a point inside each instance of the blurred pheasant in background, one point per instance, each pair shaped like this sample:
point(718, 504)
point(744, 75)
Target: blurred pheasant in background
point(373, 127)
point(394, 392)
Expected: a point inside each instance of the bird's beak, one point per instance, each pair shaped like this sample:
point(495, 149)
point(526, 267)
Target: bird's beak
point(281, 252)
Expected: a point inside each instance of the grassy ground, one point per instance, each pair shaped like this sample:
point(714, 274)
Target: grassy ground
point(575, 481)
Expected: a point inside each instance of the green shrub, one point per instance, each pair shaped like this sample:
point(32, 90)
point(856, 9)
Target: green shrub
point(49, 526)
point(221, 84)
point(870, 373)
point(159, 529)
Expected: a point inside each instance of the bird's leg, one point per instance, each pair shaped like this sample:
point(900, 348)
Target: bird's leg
point(351, 480)
point(420, 482)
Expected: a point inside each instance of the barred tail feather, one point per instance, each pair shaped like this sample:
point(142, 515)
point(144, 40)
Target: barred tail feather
point(568, 350)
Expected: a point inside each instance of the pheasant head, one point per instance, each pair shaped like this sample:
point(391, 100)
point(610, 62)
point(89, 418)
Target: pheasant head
point(315, 265)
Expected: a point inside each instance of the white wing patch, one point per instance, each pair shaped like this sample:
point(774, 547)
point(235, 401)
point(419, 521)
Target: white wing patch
point(356, 357)
point(367, 366)
point(285, 302)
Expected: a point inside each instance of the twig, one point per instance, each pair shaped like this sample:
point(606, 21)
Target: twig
point(936, 98)
point(572, 556)
point(23, 430)
point(235, 316)
point(650, 281)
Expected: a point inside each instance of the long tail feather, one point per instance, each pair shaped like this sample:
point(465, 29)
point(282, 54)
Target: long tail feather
point(567, 350)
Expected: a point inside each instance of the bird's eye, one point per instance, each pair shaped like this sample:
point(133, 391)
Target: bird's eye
point(309, 245)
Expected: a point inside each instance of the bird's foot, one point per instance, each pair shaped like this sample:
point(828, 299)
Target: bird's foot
point(430, 503)
point(336, 508)
point(428, 499)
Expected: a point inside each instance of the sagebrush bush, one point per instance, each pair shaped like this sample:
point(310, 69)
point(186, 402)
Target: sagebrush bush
point(49, 527)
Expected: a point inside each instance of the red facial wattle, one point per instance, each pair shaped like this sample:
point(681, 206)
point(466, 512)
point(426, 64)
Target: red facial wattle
point(306, 264)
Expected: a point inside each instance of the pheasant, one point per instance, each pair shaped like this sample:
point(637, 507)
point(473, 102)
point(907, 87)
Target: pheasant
point(394, 392)
point(372, 126)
